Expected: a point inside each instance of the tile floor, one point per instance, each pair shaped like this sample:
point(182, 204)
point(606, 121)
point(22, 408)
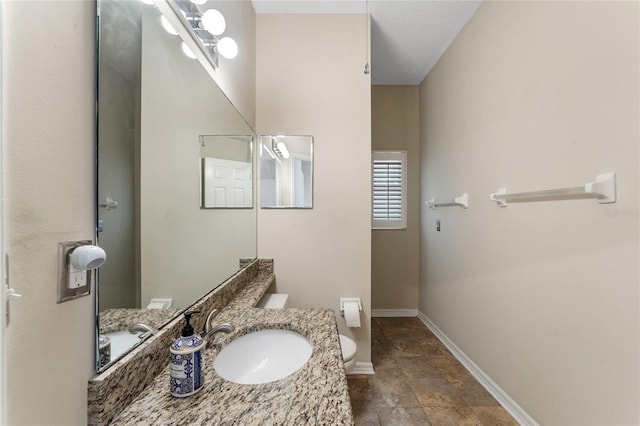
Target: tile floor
point(419, 382)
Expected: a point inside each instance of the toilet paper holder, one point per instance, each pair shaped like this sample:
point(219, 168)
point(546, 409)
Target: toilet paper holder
point(344, 300)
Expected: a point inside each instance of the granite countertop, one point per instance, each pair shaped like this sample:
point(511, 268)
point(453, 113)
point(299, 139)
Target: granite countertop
point(317, 394)
point(116, 319)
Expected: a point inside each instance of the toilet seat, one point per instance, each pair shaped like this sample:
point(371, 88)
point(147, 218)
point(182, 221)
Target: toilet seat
point(348, 348)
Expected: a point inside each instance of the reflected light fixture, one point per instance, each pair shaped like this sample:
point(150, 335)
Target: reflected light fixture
point(228, 47)
point(167, 25)
point(268, 151)
point(206, 27)
point(213, 21)
point(280, 148)
point(187, 51)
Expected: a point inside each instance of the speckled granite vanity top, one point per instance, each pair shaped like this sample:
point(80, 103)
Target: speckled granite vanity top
point(135, 390)
point(317, 394)
point(121, 319)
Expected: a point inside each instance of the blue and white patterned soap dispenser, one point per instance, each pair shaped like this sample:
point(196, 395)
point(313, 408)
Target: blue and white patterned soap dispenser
point(187, 361)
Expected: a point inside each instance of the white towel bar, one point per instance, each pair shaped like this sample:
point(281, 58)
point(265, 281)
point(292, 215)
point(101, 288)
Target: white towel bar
point(603, 189)
point(462, 201)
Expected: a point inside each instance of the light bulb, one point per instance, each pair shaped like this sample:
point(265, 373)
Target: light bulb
point(199, 2)
point(213, 21)
point(187, 51)
point(228, 47)
point(167, 25)
point(282, 147)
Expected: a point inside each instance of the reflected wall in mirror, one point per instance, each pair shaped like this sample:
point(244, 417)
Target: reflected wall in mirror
point(286, 171)
point(164, 251)
point(226, 164)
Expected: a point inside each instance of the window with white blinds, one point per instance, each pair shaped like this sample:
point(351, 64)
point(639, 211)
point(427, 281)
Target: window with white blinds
point(389, 190)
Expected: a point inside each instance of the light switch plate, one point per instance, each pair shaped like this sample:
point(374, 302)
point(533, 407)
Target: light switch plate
point(71, 284)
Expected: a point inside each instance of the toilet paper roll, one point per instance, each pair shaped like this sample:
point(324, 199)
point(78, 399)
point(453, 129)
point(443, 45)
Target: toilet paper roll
point(352, 314)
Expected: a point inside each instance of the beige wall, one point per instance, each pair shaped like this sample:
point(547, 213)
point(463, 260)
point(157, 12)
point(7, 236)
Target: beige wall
point(49, 180)
point(395, 253)
point(310, 81)
point(543, 297)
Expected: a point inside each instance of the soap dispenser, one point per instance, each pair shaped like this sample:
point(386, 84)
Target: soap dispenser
point(187, 361)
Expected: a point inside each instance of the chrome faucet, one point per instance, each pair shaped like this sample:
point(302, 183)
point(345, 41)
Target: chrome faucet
point(210, 331)
point(146, 330)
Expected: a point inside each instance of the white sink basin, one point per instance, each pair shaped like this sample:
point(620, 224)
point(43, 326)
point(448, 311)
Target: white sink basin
point(121, 342)
point(263, 356)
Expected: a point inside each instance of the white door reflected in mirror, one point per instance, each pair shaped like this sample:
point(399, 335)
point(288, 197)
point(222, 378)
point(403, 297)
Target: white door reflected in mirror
point(286, 171)
point(226, 171)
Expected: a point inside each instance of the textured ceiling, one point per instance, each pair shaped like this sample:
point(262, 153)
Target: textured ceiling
point(407, 36)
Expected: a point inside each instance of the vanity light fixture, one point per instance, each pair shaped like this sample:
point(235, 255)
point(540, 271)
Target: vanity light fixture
point(199, 2)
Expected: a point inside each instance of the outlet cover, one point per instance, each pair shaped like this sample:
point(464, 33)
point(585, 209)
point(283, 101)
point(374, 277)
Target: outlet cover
point(71, 283)
point(77, 278)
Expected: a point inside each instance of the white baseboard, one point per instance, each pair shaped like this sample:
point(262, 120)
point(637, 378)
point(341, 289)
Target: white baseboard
point(362, 368)
point(385, 313)
point(496, 391)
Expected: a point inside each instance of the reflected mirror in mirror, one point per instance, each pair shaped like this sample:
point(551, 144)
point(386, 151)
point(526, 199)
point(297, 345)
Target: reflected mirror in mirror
point(286, 172)
point(164, 250)
point(226, 171)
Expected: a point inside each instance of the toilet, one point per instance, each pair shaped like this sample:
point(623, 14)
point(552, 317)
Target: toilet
point(348, 353)
point(279, 301)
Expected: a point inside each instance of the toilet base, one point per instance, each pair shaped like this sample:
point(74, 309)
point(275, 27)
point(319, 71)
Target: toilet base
point(348, 348)
point(348, 366)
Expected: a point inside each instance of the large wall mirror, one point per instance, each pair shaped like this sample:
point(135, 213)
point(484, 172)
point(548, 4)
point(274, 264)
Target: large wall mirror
point(156, 110)
point(286, 171)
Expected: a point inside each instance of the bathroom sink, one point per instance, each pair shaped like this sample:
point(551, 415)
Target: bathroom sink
point(121, 342)
point(263, 356)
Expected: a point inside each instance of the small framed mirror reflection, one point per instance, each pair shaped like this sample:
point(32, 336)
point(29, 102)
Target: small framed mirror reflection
point(286, 171)
point(226, 171)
